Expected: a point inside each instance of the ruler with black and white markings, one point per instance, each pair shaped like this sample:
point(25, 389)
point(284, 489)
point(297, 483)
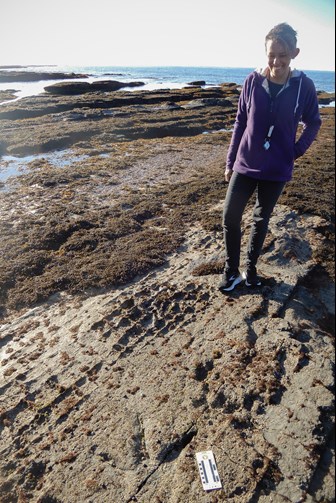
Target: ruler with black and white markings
point(208, 470)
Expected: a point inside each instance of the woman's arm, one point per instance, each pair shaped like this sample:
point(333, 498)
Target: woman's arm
point(239, 125)
point(311, 123)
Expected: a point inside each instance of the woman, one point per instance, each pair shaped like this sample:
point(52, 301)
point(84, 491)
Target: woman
point(264, 146)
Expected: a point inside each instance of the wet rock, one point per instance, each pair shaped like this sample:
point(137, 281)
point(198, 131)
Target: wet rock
point(22, 76)
point(170, 105)
point(52, 103)
point(8, 94)
point(208, 102)
point(62, 120)
point(325, 98)
point(197, 83)
point(74, 88)
point(68, 88)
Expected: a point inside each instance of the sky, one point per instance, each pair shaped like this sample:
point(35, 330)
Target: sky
point(222, 33)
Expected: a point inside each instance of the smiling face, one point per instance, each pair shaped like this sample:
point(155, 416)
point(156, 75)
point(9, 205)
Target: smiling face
point(279, 57)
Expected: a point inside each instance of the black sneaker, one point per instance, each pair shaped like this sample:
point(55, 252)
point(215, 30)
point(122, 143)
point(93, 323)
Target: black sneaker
point(251, 278)
point(230, 281)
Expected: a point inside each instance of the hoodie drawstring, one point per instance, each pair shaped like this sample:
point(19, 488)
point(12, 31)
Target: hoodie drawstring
point(298, 96)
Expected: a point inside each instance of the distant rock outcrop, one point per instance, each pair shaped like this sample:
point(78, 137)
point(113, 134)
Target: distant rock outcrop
point(70, 88)
point(22, 76)
point(197, 83)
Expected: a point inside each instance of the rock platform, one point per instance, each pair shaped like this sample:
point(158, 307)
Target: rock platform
point(120, 358)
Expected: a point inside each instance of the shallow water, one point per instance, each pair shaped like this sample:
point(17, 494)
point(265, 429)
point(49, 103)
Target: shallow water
point(11, 166)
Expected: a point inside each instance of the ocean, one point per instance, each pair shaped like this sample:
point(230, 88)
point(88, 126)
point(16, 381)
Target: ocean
point(157, 77)
point(324, 81)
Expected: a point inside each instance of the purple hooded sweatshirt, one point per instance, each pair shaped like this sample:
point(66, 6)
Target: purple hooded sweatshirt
point(257, 112)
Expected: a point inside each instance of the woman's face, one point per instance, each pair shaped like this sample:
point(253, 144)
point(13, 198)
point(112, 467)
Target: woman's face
point(279, 58)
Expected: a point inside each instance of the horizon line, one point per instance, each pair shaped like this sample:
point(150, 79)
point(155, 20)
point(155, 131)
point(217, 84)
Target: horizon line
point(53, 65)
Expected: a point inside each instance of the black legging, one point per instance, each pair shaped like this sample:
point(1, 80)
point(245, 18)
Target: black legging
point(241, 188)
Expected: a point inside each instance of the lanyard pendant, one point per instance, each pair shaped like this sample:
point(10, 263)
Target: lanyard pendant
point(270, 131)
point(267, 142)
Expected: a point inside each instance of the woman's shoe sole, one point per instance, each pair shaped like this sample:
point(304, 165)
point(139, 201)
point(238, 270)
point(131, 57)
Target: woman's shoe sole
point(236, 282)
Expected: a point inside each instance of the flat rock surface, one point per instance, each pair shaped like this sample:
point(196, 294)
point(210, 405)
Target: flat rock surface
point(17, 75)
point(120, 359)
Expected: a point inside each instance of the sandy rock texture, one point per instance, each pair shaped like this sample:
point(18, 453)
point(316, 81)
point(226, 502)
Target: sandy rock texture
point(120, 359)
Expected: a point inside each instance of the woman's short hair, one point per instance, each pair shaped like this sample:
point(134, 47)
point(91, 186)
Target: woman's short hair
point(284, 34)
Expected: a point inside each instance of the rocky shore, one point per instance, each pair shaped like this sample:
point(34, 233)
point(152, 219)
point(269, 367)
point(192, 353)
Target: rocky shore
point(120, 359)
point(34, 76)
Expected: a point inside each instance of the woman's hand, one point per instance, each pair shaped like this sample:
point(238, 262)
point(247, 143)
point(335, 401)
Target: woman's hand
point(228, 174)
